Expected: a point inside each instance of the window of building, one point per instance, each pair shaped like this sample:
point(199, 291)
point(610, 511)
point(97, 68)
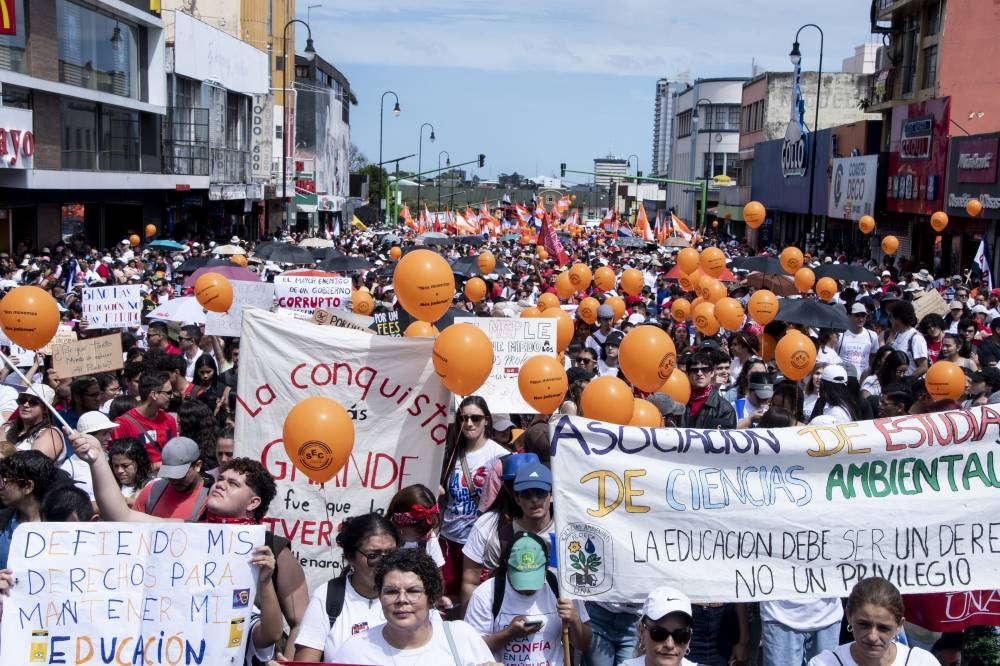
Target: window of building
point(16, 97)
point(933, 14)
point(684, 123)
point(97, 50)
point(78, 124)
point(12, 46)
point(721, 164)
point(119, 140)
point(930, 66)
point(911, 41)
point(301, 72)
point(733, 122)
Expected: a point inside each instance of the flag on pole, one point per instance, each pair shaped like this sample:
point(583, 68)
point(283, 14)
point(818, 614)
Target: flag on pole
point(642, 228)
point(408, 219)
point(981, 265)
point(680, 228)
point(550, 241)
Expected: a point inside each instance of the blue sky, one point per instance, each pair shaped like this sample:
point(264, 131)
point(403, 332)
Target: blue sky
point(533, 84)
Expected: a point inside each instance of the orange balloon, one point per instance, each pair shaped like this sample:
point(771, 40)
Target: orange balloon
point(239, 260)
point(974, 207)
point(564, 326)
point(395, 252)
point(424, 284)
point(632, 281)
point(134, 240)
point(564, 285)
point(704, 318)
point(587, 310)
point(939, 221)
point(689, 282)
point(486, 262)
point(362, 303)
point(604, 278)
point(581, 276)
point(645, 414)
point(754, 214)
point(791, 259)
point(530, 312)
point(214, 292)
point(890, 244)
point(542, 383)
point(463, 358)
point(318, 436)
point(680, 309)
point(826, 288)
point(29, 317)
point(420, 329)
point(713, 290)
point(695, 302)
point(804, 279)
point(475, 289)
point(607, 399)
point(617, 304)
point(677, 387)
point(150, 230)
point(647, 356)
point(763, 306)
point(548, 300)
point(713, 261)
point(796, 355)
point(945, 379)
point(866, 224)
point(541, 253)
point(767, 345)
point(688, 260)
point(729, 312)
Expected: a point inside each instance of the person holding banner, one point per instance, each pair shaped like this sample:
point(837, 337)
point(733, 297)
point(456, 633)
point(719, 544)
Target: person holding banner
point(875, 619)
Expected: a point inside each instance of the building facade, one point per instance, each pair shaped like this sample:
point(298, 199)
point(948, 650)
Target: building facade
point(663, 126)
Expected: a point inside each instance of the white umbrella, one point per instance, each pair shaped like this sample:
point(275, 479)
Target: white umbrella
point(185, 309)
point(230, 250)
point(316, 242)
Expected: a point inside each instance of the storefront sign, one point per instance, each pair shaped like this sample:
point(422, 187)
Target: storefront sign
point(915, 142)
point(8, 18)
point(795, 149)
point(977, 160)
point(261, 133)
point(918, 156)
point(17, 140)
point(972, 174)
point(852, 193)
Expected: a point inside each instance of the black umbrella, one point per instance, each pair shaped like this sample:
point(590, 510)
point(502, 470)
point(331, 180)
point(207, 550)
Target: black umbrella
point(759, 264)
point(336, 261)
point(469, 267)
point(780, 284)
point(846, 272)
point(473, 240)
point(405, 318)
point(445, 241)
point(813, 313)
point(286, 253)
point(194, 263)
point(385, 271)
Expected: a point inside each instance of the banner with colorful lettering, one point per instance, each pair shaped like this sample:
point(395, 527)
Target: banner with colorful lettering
point(792, 513)
point(309, 290)
point(129, 593)
point(112, 307)
point(387, 385)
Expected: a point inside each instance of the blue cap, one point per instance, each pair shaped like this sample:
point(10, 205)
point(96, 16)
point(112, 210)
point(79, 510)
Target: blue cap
point(533, 476)
point(514, 462)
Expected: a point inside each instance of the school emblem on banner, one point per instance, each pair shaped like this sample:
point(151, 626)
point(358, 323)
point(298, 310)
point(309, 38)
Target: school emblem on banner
point(589, 559)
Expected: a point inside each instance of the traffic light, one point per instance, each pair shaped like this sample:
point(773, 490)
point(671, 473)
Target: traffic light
point(562, 169)
point(482, 160)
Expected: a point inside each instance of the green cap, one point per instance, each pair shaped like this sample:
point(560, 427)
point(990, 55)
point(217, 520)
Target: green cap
point(526, 565)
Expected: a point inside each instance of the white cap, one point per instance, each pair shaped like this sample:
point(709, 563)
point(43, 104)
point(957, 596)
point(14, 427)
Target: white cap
point(835, 374)
point(91, 422)
point(663, 601)
point(43, 391)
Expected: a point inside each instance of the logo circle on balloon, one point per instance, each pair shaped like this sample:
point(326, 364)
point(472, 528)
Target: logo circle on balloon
point(754, 214)
point(315, 455)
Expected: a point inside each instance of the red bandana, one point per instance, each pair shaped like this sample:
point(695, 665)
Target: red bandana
point(216, 519)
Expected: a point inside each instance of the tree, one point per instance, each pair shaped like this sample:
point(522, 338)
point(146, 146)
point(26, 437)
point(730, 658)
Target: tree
point(514, 180)
point(357, 158)
point(377, 180)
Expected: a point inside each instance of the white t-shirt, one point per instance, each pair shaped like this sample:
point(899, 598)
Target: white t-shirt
point(371, 647)
point(916, 656)
point(463, 505)
point(189, 372)
point(483, 544)
point(432, 547)
point(871, 385)
point(839, 414)
point(596, 340)
point(803, 615)
point(358, 614)
point(916, 349)
point(857, 348)
point(544, 647)
point(8, 399)
point(827, 356)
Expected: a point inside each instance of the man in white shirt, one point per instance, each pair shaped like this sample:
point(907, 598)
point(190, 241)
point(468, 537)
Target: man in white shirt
point(858, 345)
point(595, 340)
point(906, 338)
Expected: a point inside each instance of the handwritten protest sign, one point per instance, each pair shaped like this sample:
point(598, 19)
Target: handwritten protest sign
point(64, 333)
point(112, 306)
point(245, 294)
point(387, 323)
point(514, 342)
point(387, 385)
point(788, 513)
point(343, 319)
point(86, 357)
point(143, 593)
point(308, 292)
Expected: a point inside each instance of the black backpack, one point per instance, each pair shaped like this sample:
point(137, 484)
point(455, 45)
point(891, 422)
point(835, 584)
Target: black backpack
point(336, 588)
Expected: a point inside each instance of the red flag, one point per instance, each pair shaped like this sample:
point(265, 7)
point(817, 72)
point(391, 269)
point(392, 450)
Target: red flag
point(551, 242)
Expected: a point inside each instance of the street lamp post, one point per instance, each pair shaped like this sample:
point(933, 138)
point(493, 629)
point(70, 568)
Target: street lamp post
point(285, 107)
point(420, 156)
point(447, 163)
point(796, 57)
point(395, 112)
point(708, 126)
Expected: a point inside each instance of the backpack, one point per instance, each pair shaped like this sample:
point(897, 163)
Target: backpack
point(156, 492)
point(336, 588)
point(141, 430)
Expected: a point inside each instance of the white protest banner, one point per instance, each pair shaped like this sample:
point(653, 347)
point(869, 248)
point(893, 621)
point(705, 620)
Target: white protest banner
point(387, 385)
point(129, 593)
point(246, 294)
point(112, 306)
point(790, 513)
point(514, 342)
point(305, 292)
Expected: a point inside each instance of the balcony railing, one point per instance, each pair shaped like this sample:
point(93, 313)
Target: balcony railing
point(230, 165)
point(185, 142)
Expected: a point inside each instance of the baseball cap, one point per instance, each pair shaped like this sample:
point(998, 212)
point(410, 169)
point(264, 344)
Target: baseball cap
point(835, 374)
point(43, 391)
point(526, 564)
point(761, 384)
point(177, 456)
point(859, 308)
point(513, 462)
point(533, 476)
point(91, 422)
point(886, 274)
point(955, 305)
point(605, 312)
point(502, 422)
point(614, 338)
point(663, 601)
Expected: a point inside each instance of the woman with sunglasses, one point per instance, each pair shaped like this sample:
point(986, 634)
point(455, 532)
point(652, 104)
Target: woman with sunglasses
point(348, 604)
point(665, 630)
point(31, 427)
point(468, 458)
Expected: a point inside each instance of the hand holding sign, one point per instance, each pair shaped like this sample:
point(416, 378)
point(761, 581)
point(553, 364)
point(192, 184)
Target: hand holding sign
point(29, 317)
point(319, 437)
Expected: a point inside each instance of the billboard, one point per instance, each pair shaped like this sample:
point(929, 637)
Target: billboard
point(853, 185)
point(972, 174)
point(918, 156)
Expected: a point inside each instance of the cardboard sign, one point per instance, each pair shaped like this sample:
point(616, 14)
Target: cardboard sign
point(343, 319)
point(112, 307)
point(64, 334)
point(245, 294)
point(387, 323)
point(929, 302)
point(144, 593)
point(87, 357)
point(309, 292)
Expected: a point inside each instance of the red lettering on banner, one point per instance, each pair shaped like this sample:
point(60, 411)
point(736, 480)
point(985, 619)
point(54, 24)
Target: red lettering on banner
point(374, 470)
point(940, 429)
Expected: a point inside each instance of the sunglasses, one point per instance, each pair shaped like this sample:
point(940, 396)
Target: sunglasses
point(659, 634)
point(28, 401)
point(475, 418)
point(700, 370)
